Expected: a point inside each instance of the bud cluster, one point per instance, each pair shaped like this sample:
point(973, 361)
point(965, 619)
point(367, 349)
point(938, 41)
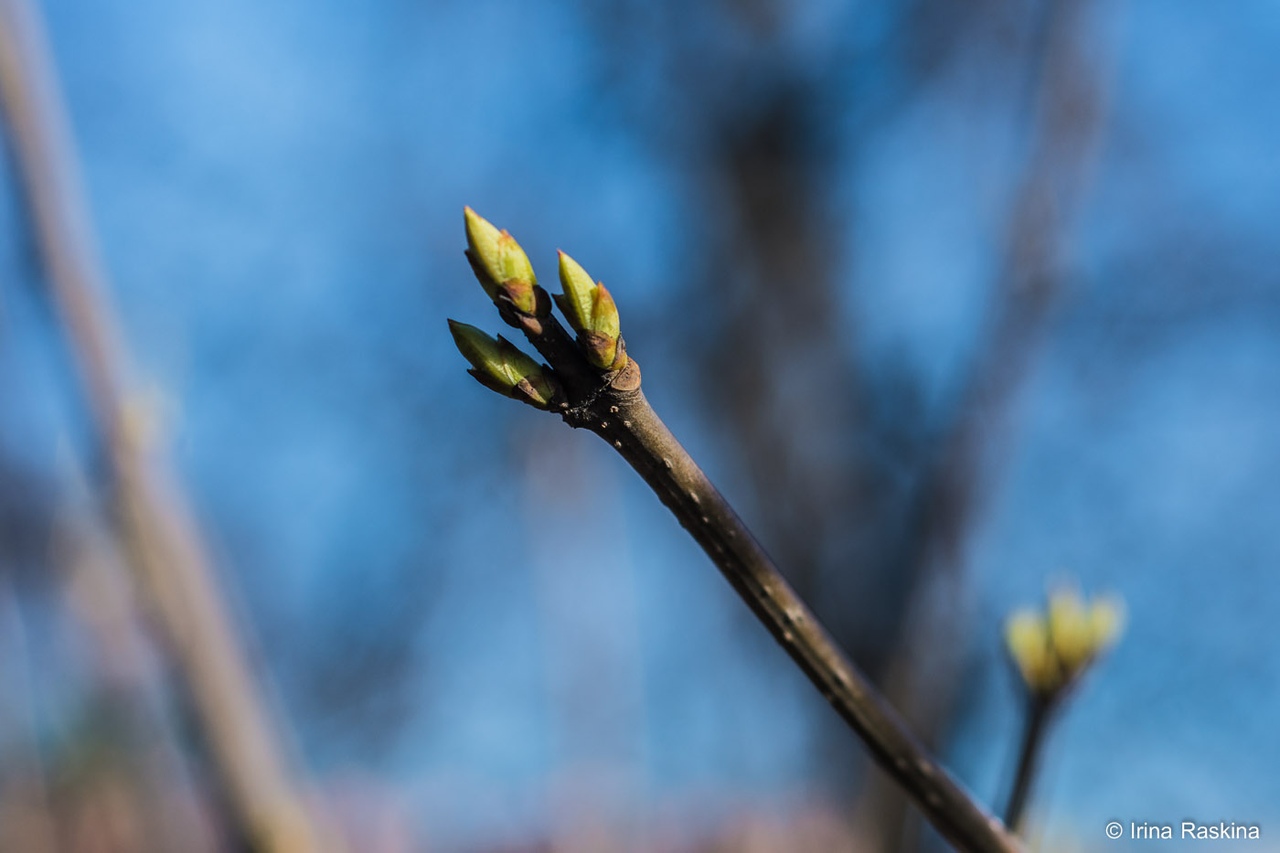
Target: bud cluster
point(1052, 648)
point(507, 276)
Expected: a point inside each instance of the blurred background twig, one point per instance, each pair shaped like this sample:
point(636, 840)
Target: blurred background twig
point(266, 806)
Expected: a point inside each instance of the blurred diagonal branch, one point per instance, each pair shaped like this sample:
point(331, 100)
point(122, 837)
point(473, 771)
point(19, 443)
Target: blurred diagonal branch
point(153, 522)
point(1066, 109)
point(1067, 96)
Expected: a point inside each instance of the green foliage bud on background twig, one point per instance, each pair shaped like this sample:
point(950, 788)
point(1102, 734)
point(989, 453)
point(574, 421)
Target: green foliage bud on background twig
point(1052, 649)
point(591, 311)
point(1027, 639)
point(500, 366)
point(500, 264)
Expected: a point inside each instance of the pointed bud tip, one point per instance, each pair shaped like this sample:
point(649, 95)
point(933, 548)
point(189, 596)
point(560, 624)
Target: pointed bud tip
point(1026, 639)
point(467, 330)
point(476, 345)
point(477, 226)
point(458, 329)
point(570, 266)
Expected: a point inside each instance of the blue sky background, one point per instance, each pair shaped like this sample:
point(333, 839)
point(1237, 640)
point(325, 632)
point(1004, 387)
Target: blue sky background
point(278, 189)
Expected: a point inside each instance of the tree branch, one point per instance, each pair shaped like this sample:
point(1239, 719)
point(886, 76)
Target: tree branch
point(624, 418)
point(612, 405)
point(1033, 736)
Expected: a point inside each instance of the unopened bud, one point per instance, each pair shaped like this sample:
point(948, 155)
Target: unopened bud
point(499, 365)
point(1052, 649)
point(592, 313)
point(499, 263)
point(1106, 618)
point(1027, 639)
point(1070, 628)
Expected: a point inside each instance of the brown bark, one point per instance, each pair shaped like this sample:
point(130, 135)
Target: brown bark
point(613, 406)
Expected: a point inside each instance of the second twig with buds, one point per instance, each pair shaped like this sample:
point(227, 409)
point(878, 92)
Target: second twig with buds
point(1052, 651)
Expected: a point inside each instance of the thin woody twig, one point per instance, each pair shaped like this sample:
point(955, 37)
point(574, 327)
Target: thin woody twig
point(1038, 712)
point(623, 417)
point(612, 405)
point(156, 529)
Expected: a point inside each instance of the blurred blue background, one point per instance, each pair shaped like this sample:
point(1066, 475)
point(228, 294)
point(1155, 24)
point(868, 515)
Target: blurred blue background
point(953, 302)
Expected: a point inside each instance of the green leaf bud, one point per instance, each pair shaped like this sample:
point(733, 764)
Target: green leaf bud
point(499, 263)
point(1106, 619)
point(1070, 629)
point(591, 311)
point(500, 366)
point(1027, 639)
